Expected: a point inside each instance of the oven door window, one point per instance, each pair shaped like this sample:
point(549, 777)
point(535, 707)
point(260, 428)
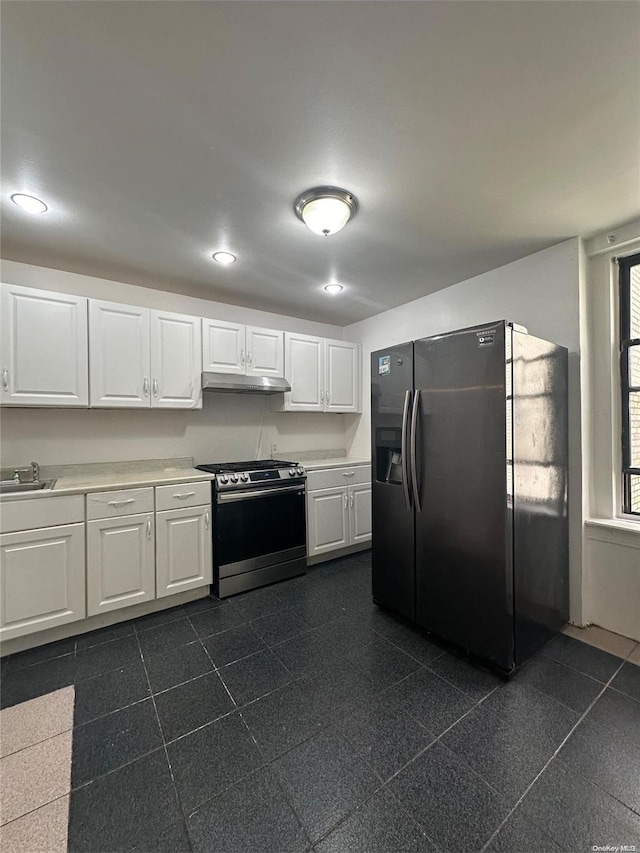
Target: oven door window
point(254, 527)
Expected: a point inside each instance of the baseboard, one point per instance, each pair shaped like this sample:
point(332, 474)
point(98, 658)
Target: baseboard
point(337, 554)
point(103, 620)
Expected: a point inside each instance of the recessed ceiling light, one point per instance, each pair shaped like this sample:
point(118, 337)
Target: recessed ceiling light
point(224, 257)
point(333, 288)
point(29, 203)
point(326, 210)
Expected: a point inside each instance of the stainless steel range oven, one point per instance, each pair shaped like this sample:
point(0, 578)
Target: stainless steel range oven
point(259, 530)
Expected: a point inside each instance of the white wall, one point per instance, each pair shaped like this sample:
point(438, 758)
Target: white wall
point(541, 292)
point(229, 427)
point(612, 543)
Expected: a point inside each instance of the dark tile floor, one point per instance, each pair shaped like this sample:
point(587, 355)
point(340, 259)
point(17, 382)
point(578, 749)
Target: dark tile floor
point(302, 717)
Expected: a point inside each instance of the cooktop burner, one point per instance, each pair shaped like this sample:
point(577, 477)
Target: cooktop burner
point(251, 465)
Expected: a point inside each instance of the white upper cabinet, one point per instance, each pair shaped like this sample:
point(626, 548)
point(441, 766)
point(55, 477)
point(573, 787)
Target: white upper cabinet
point(341, 377)
point(248, 350)
point(43, 348)
point(304, 368)
point(324, 375)
point(265, 352)
point(223, 347)
point(140, 358)
point(119, 358)
point(176, 361)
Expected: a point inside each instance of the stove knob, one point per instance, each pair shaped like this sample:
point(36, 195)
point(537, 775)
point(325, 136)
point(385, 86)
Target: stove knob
point(300, 470)
point(244, 478)
point(292, 472)
point(234, 478)
point(224, 479)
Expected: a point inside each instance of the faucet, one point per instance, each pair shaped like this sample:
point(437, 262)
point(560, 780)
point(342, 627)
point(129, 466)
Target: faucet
point(35, 473)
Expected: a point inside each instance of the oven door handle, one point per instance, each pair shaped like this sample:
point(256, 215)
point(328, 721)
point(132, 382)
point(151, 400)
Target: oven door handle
point(231, 497)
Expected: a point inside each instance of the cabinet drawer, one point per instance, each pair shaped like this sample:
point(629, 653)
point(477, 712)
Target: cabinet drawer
point(332, 478)
point(41, 512)
point(183, 495)
point(121, 502)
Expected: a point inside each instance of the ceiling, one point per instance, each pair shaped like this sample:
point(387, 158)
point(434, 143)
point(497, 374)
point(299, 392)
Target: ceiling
point(472, 133)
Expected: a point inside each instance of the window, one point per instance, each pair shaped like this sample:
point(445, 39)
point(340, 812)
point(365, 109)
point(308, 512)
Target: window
point(630, 368)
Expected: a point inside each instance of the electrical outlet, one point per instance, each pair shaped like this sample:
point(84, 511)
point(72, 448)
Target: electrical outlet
point(274, 449)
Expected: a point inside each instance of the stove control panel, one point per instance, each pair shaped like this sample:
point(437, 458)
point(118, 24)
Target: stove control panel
point(250, 478)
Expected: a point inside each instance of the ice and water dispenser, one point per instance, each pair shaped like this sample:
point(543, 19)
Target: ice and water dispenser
point(388, 444)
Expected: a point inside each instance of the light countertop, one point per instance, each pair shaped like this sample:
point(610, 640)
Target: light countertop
point(79, 480)
point(336, 462)
point(102, 477)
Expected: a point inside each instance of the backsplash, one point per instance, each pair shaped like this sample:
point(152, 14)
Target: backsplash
point(314, 455)
point(229, 427)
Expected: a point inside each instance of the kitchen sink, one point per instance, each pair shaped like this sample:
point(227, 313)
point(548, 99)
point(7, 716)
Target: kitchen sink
point(11, 487)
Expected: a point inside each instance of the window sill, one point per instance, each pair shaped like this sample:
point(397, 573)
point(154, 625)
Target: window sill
point(615, 524)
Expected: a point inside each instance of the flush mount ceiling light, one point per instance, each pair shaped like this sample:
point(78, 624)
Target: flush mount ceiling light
point(326, 210)
point(29, 203)
point(333, 288)
point(225, 258)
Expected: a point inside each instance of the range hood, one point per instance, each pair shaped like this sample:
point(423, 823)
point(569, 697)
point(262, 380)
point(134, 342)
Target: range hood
point(238, 384)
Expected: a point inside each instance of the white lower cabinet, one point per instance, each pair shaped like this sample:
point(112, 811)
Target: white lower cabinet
point(183, 549)
point(338, 513)
point(327, 520)
point(141, 544)
point(43, 579)
point(120, 562)
point(360, 513)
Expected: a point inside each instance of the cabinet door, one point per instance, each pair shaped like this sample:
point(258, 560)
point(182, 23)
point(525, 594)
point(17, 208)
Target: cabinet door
point(303, 367)
point(120, 562)
point(176, 361)
point(360, 513)
point(223, 347)
point(42, 576)
point(183, 549)
point(327, 520)
point(265, 352)
point(119, 368)
point(341, 371)
point(43, 348)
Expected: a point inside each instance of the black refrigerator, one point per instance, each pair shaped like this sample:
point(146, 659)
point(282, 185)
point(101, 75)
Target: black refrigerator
point(469, 456)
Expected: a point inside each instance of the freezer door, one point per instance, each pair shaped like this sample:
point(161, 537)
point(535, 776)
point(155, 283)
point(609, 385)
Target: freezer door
point(464, 588)
point(392, 534)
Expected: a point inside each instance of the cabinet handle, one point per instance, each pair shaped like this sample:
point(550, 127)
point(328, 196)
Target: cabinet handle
point(184, 494)
point(346, 501)
point(207, 519)
point(241, 356)
point(122, 503)
point(145, 386)
point(348, 473)
point(351, 500)
point(148, 528)
point(5, 378)
point(155, 387)
point(249, 358)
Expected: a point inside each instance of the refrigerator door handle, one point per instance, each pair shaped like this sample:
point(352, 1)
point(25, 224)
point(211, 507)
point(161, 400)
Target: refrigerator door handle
point(414, 450)
point(405, 449)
